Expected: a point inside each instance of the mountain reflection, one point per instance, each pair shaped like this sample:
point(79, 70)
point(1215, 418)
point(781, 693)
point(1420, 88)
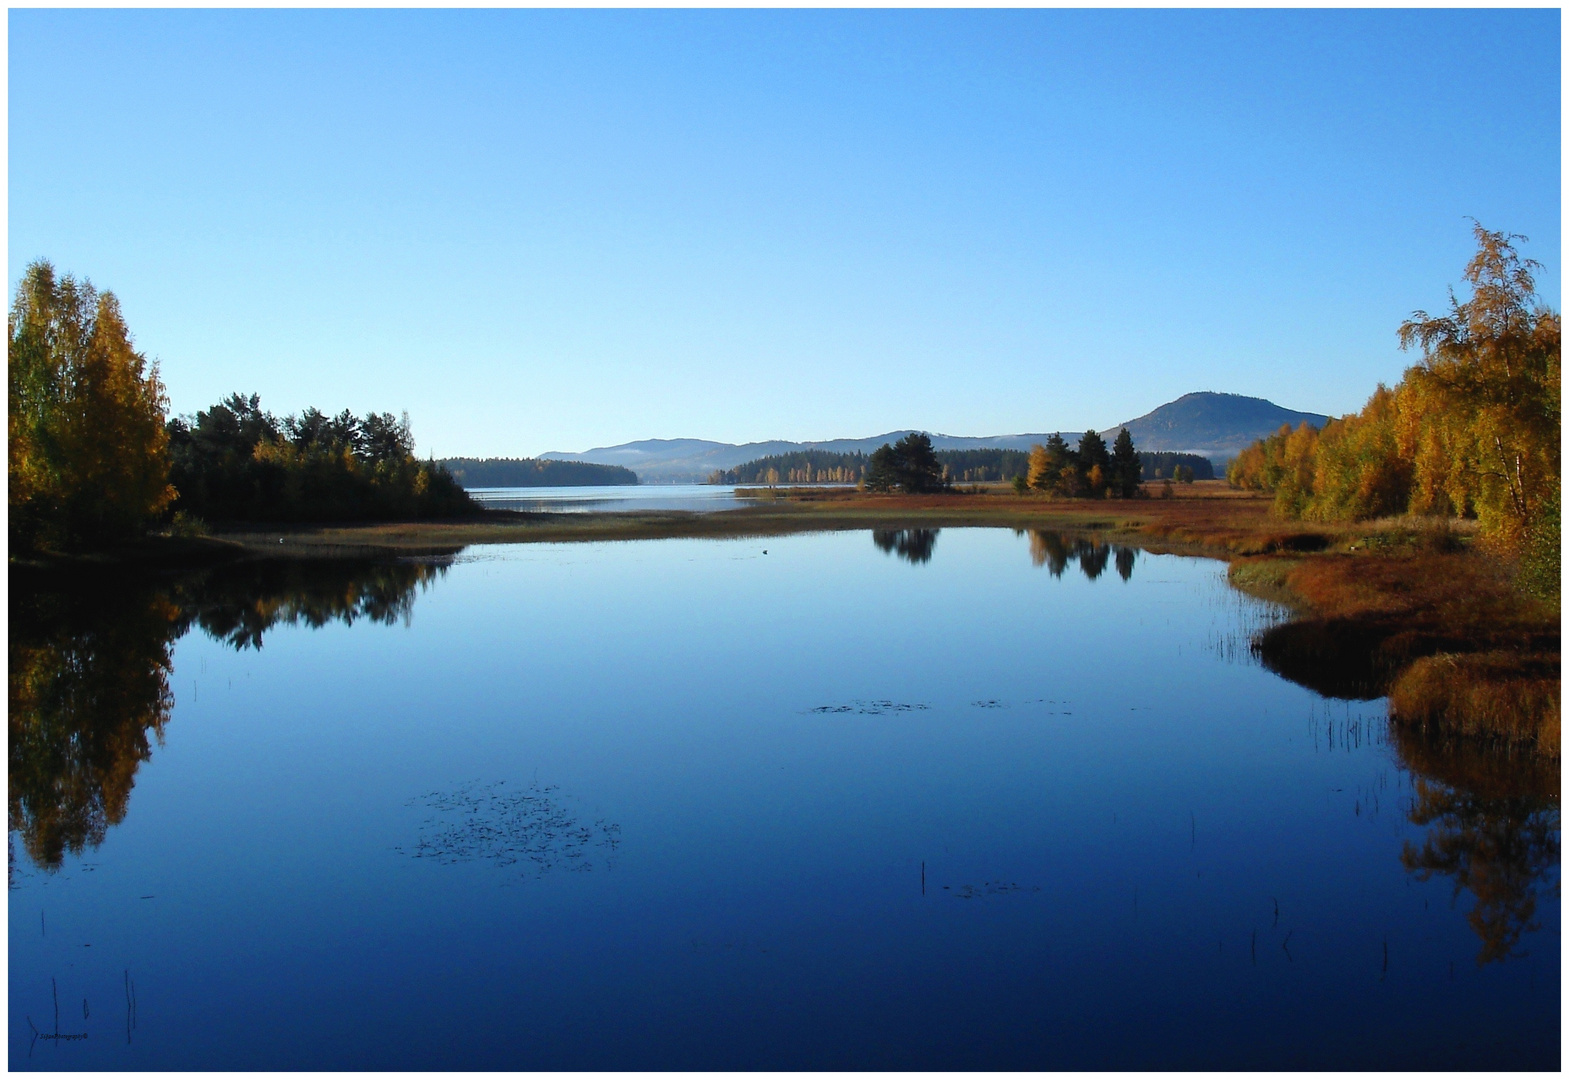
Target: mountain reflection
point(1055, 550)
point(90, 665)
point(1493, 829)
point(911, 545)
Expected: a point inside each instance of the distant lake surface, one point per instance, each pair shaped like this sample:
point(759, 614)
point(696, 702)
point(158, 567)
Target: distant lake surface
point(617, 497)
point(968, 799)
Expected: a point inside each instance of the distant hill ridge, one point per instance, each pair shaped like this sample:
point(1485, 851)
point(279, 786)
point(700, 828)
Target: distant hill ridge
point(1214, 425)
point(1217, 426)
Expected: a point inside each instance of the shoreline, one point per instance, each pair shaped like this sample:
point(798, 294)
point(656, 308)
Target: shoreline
point(1405, 608)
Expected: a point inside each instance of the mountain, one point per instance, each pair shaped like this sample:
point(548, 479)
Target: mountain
point(679, 461)
point(1217, 426)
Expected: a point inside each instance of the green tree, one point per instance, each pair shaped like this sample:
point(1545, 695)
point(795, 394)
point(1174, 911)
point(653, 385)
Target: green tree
point(916, 465)
point(1094, 464)
point(87, 447)
point(882, 471)
point(1126, 469)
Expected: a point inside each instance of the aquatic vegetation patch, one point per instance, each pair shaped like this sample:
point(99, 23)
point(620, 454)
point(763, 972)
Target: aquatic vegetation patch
point(531, 827)
point(872, 708)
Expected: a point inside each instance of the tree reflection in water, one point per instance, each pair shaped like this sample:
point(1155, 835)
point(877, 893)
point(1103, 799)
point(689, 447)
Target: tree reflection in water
point(89, 673)
point(1055, 550)
point(1493, 828)
point(912, 545)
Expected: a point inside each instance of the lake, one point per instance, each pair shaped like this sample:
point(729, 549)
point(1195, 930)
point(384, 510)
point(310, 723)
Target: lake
point(698, 498)
point(968, 799)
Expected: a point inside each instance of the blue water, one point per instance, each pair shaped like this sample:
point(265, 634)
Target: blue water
point(700, 498)
point(794, 803)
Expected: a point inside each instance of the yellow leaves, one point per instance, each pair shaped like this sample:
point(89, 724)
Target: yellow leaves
point(1040, 466)
point(87, 442)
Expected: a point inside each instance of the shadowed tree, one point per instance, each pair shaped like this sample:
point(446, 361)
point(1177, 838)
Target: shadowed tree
point(1126, 469)
point(909, 465)
point(916, 464)
point(1094, 464)
point(882, 470)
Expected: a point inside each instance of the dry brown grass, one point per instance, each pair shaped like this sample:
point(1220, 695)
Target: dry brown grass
point(1458, 650)
point(1493, 696)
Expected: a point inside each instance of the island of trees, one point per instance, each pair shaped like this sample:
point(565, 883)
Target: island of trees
point(534, 472)
point(1089, 471)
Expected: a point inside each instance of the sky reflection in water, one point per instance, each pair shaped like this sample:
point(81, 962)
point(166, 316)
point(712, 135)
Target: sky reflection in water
point(932, 801)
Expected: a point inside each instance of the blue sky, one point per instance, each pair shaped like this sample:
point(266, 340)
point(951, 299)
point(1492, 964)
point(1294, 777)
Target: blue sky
point(555, 230)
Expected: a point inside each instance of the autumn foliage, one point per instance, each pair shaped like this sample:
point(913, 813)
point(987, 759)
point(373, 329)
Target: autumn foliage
point(87, 452)
point(1472, 430)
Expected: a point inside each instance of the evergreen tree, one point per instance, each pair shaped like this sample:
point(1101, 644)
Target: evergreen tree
point(882, 470)
point(1126, 469)
point(1094, 464)
point(916, 466)
point(1050, 466)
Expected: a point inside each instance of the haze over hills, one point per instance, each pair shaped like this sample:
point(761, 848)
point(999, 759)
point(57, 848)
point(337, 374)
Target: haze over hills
point(1214, 425)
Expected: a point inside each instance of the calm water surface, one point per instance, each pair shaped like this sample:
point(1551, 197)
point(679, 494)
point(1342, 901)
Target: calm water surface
point(915, 800)
point(699, 498)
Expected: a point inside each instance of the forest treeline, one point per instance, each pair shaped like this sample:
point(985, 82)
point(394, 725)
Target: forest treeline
point(238, 462)
point(1471, 430)
point(534, 472)
point(796, 467)
point(93, 457)
point(1163, 465)
point(959, 467)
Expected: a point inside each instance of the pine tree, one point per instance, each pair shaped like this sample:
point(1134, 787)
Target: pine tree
point(1093, 456)
point(882, 470)
point(1126, 470)
point(1048, 465)
point(916, 467)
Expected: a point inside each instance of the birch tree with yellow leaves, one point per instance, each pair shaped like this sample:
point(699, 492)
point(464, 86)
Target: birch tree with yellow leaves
point(87, 450)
